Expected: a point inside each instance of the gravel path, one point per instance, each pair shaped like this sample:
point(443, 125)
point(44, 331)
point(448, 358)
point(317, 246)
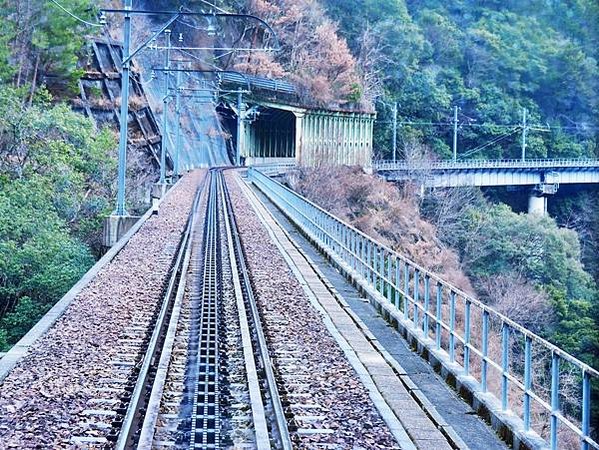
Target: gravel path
point(46, 399)
point(331, 407)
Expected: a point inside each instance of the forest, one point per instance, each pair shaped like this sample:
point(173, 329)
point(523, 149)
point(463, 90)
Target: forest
point(56, 167)
point(492, 60)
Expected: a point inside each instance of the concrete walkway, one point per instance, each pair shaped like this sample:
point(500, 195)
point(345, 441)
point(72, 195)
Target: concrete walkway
point(445, 402)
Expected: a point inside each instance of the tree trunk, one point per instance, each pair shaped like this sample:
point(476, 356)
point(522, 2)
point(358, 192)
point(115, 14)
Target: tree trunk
point(34, 80)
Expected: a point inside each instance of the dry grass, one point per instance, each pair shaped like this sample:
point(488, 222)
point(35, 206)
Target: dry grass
point(385, 213)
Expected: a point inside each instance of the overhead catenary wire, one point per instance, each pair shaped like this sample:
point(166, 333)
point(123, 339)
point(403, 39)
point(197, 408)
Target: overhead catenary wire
point(491, 142)
point(75, 16)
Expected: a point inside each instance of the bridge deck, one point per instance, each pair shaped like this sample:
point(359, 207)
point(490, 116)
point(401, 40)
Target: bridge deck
point(492, 172)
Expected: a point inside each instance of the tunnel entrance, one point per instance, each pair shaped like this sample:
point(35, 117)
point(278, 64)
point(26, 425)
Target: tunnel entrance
point(268, 134)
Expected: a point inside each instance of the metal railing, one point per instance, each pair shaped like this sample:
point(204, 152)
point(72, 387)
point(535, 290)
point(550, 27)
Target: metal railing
point(522, 370)
point(273, 169)
point(259, 82)
point(485, 164)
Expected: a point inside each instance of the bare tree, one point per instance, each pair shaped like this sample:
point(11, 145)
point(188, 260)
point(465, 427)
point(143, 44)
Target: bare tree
point(515, 297)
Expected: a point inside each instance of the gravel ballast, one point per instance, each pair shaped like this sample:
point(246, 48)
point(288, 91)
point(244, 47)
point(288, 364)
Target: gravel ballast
point(46, 399)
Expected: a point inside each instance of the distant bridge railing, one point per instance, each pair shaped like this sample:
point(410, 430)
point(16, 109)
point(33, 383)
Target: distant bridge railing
point(485, 164)
point(273, 169)
point(541, 388)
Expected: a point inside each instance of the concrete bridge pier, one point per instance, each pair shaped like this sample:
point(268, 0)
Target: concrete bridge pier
point(537, 204)
point(537, 200)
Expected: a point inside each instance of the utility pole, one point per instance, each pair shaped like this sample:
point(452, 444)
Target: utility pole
point(124, 117)
point(523, 134)
point(240, 118)
point(394, 131)
point(167, 66)
point(178, 115)
point(177, 122)
point(455, 133)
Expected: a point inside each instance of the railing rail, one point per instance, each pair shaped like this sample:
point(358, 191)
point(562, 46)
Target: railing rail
point(469, 333)
point(272, 169)
point(387, 165)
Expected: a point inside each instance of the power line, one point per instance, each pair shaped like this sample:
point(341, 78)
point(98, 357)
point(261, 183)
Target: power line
point(536, 127)
point(77, 17)
point(491, 142)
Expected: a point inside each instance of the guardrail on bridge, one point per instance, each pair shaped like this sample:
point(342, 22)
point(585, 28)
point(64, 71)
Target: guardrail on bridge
point(485, 164)
point(547, 390)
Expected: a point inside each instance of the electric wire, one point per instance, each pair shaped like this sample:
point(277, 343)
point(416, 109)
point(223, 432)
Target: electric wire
point(491, 142)
point(77, 17)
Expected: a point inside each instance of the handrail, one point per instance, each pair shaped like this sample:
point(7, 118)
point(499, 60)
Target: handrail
point(386, 165)
point(272, 169)
point(424, 298)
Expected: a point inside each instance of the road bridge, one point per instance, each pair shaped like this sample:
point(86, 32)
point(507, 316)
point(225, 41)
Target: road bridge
point(542, 176)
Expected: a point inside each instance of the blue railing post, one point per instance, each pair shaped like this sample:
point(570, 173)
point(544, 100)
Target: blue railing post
point(467, 337)
point(389, 274)
point(406, 289)
point(527, 380)
point(397, 282)
point(505, 344)
point(377, 269)
point(427, 296)
point(381, 271)
point(416, 296)
point(452, 326)
point(485, 351)
point(554, 399)
point(368, 267)
point(362, 257)
point(355, 252)
point(586, 409)
point(438, 315)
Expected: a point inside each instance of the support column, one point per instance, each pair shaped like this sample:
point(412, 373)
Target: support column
point(369, 136)
point(167, 66)
point(240, 134)
point(299, 137)
point(537, 203)
point(177, 121)
point(124, 116)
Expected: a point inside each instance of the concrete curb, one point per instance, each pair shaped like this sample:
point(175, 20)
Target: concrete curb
point(18, 351)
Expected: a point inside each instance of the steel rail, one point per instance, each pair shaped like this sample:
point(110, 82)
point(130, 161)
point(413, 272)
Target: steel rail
point(132, 415)
point(148, 429)
point(280, 421)
point(261, 434)
point(205, 420)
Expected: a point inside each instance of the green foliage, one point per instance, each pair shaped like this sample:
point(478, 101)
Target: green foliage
point(491, 59)
point(493, 240)
point(18, 322)
point(501, 241)
point(38, 38)
point(575, 329)
point(55, 182)
point(39, 261)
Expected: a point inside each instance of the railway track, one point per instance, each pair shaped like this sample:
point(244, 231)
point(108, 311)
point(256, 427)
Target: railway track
point(206, 380)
